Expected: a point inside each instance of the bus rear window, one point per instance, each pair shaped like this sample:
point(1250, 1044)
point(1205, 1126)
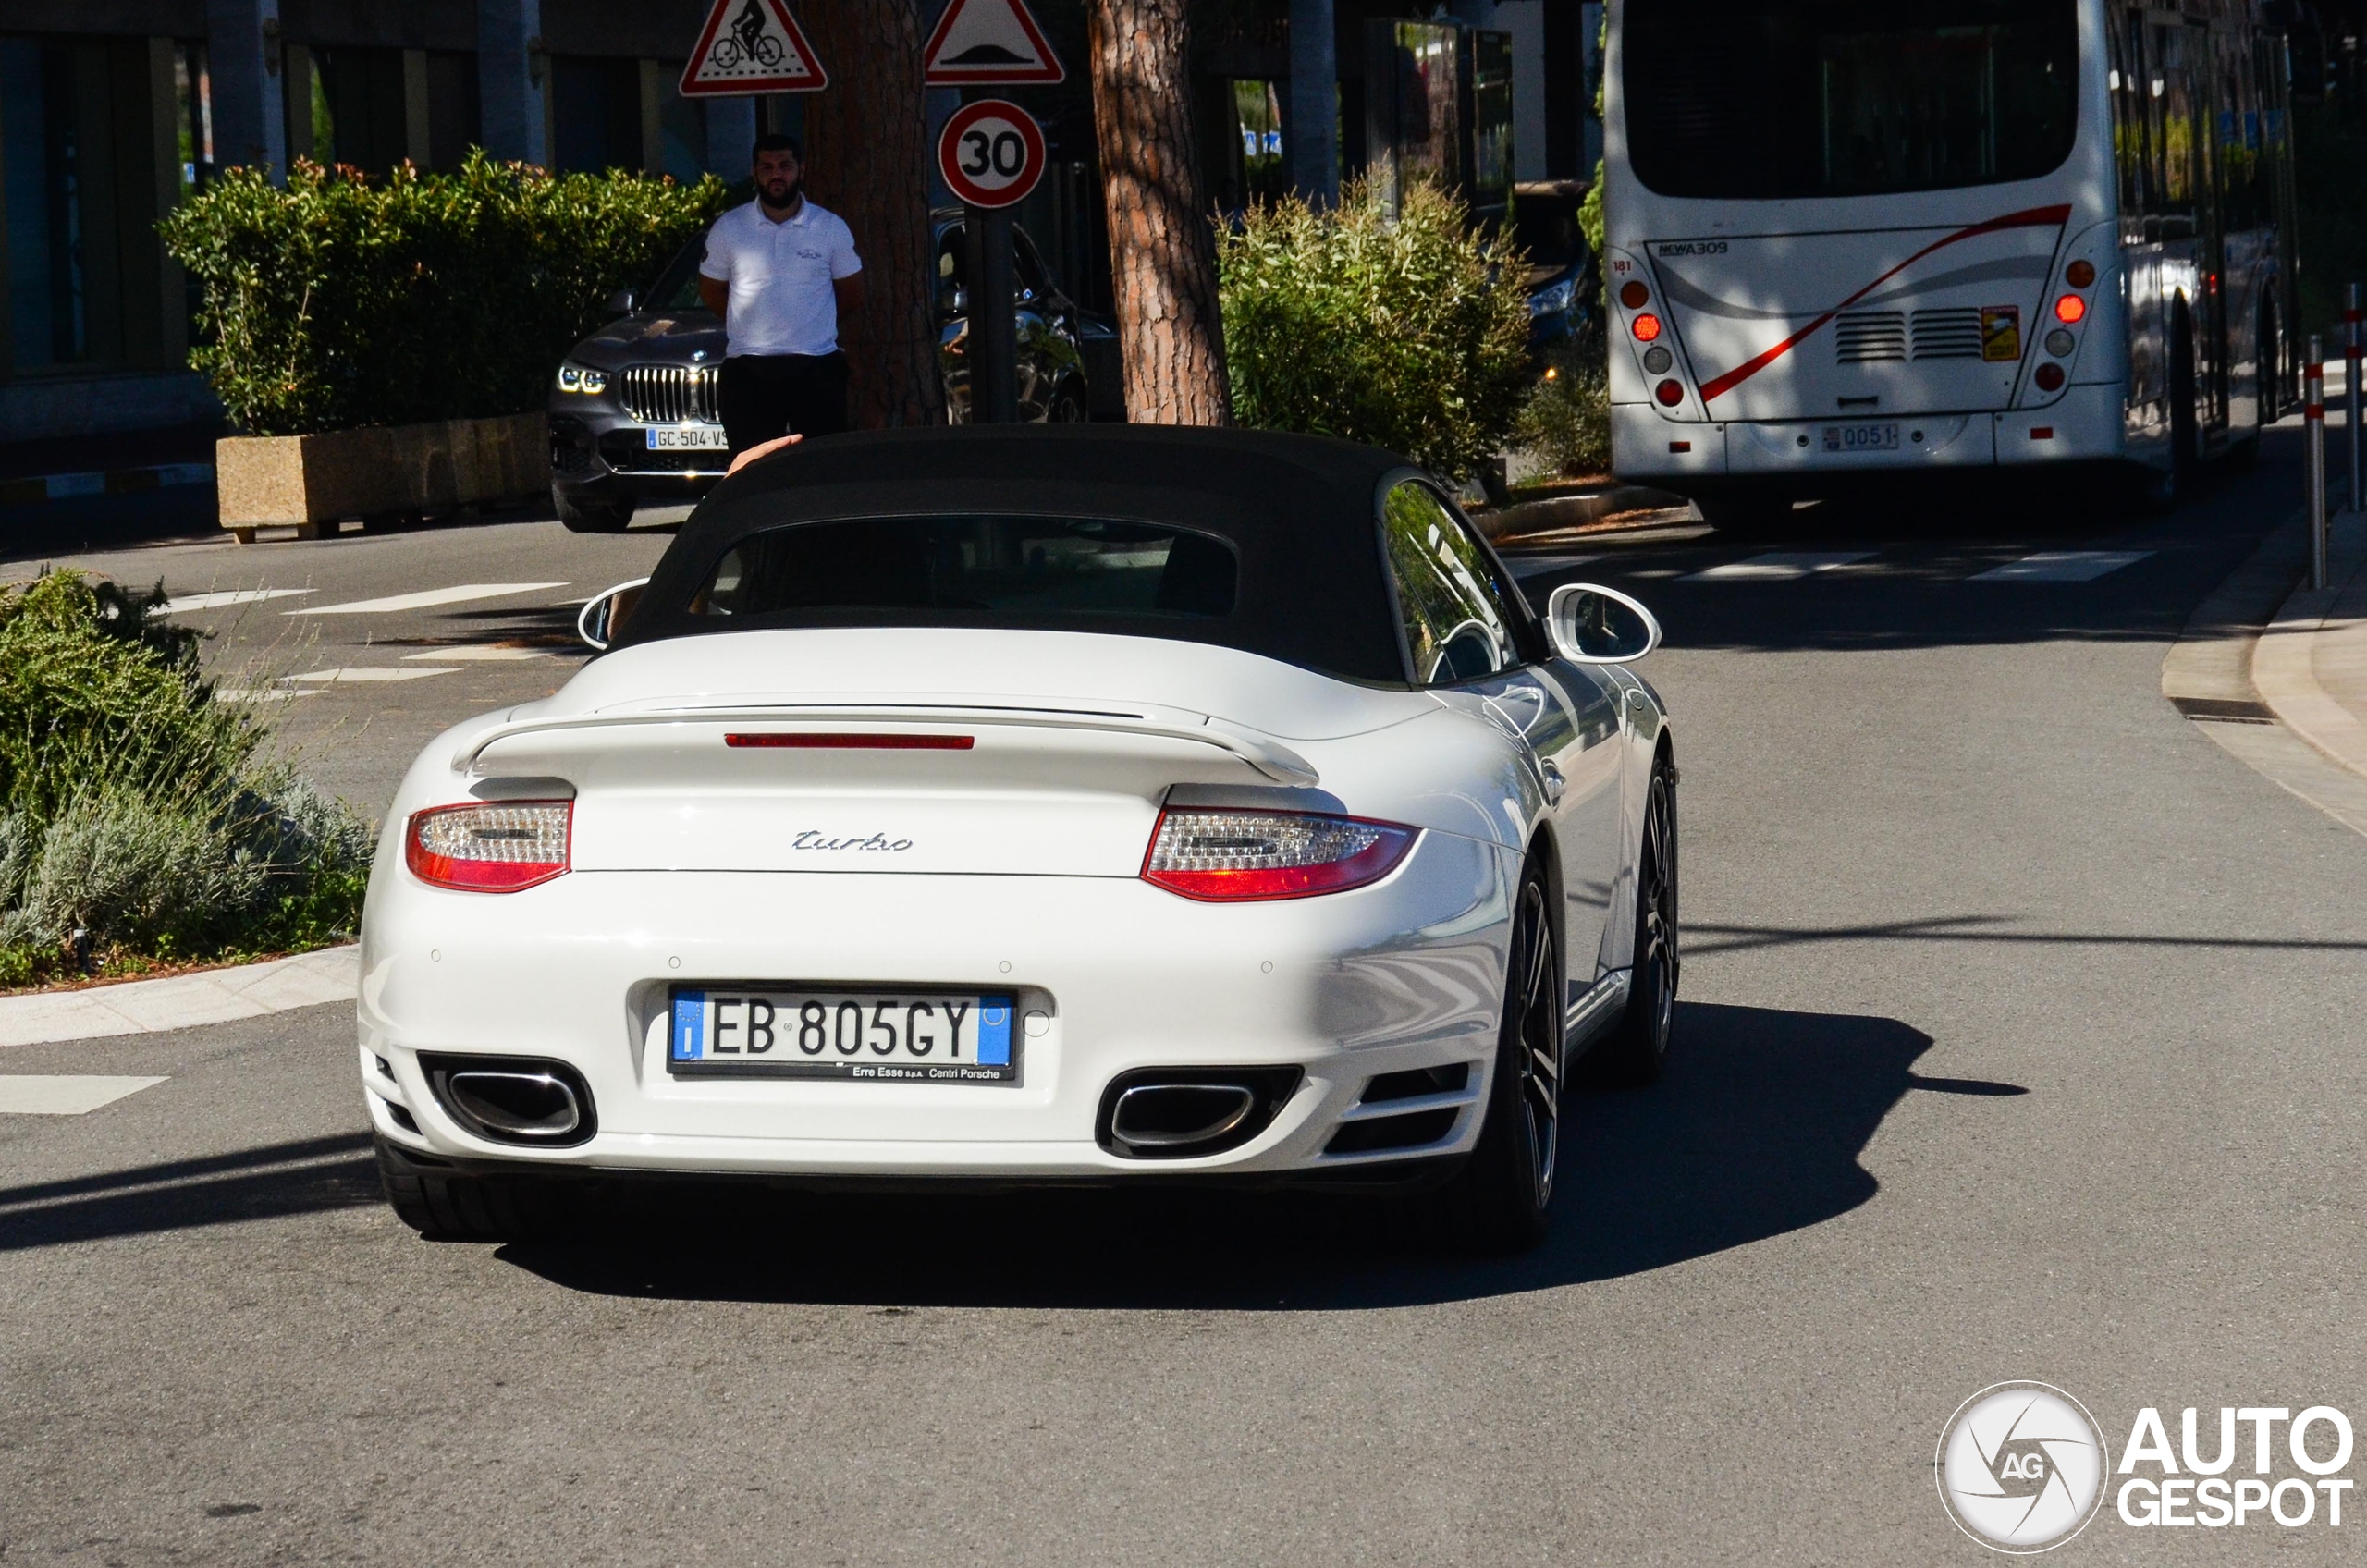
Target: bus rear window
point(1775, 99)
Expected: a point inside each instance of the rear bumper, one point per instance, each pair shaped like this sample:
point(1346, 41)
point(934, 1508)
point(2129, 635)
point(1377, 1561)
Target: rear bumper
point(2084, 425)
point(1405, 975)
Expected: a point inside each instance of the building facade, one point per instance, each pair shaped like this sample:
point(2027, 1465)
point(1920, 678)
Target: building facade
point(113, 111)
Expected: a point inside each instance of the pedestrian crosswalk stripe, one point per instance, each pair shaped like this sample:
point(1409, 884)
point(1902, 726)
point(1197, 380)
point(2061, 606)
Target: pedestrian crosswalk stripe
point(2062, 565)
point(51, 1093)
point(481, 654)
point(1783, 566)
point(368, 672)
point(1538, 566)
point(426, 599)
point(189, 602)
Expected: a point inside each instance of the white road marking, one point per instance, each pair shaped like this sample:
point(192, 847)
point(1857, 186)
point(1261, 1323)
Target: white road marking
point(373, 672)
point(46, 1094)
point(484, 654)
point(1783, 566)
point(189, 602)
point(1538, 566)
point(2062, 565)
point(257, 694)
point(426, 598)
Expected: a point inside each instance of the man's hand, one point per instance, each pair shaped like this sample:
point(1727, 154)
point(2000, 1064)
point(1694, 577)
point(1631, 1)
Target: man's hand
point(714, 293)
point(762, 449)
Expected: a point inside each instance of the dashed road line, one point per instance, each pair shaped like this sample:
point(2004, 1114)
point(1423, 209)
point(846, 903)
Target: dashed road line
point(52, 1094)
point(2062, 565)
point(189, 602)
point(426, 599)
point(1783, 566)
point(368, 672)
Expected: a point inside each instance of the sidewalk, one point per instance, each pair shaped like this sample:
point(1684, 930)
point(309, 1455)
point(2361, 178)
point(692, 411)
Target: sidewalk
point(2310, 664)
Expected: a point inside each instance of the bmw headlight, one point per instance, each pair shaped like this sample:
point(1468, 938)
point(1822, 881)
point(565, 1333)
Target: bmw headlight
point(583, 378)
point(1553, 298)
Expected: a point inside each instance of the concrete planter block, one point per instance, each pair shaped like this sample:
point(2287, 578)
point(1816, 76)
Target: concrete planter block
point(303, 482)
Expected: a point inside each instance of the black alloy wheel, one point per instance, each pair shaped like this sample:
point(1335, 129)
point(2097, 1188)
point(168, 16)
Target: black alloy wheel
point(590, 517)
point(1631, 1053)
point(1499, 1201)
point(1068, 407)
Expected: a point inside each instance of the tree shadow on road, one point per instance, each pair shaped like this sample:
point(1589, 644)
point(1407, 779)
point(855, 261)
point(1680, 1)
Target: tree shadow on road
point(1754, 1132)
point(301, 1177)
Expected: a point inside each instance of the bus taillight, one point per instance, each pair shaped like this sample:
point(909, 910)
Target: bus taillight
point(1635, 295)
point(1647, 327)
point(2070, 309)
point(2050, 378)
point(2079, 274)
point(1670, 392)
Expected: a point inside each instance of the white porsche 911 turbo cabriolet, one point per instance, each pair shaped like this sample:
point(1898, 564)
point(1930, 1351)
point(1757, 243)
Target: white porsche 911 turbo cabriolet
point(1024, 806)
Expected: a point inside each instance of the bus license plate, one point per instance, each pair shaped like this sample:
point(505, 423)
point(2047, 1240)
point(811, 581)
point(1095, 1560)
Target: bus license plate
point(686, 438)
point(1861, 439)
point(917, 1036)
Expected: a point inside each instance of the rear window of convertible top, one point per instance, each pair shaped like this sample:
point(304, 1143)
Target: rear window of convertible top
point(969, 570)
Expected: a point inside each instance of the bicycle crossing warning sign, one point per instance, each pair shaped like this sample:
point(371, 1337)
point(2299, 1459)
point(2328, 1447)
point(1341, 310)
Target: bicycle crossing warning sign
point(752, 46)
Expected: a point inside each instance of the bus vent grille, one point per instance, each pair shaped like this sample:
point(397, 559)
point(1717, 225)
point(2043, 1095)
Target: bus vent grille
point(1863, 337)
point(1947, 335)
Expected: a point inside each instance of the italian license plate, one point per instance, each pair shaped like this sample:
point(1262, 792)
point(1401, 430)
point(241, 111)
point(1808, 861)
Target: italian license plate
point(1861, 438)
point(871, 1037)
point(686, 438)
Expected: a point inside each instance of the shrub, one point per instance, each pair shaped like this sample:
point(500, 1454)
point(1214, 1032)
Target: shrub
point(341, 300)
point(1568, 418)
point(1409, 334)
point(136, 809)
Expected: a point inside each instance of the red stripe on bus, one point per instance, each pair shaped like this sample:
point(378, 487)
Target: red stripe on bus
point(2035, 217)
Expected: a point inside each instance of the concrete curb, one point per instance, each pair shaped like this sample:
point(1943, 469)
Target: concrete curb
point(2320, 636)
point(180, 1002)
point(2207, 676)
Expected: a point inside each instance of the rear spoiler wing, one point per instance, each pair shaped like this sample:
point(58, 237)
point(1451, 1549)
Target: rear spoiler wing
point(1263, 753)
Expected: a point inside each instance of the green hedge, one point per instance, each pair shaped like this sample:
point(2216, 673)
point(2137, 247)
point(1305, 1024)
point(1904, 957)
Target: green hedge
point(1409, 332)
point(341, 300)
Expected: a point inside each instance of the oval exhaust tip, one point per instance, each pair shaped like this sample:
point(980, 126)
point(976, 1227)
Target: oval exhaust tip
point(520, 1104)
point(1166, 1116)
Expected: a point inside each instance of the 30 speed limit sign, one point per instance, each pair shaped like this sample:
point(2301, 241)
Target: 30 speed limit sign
point(991, 154)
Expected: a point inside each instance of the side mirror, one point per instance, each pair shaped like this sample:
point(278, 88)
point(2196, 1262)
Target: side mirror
point(604, 613)
point(1595, 625)
point(621, 302)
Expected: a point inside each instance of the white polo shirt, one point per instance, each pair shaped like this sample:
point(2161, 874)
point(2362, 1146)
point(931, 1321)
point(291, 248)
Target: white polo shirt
point(780, 275)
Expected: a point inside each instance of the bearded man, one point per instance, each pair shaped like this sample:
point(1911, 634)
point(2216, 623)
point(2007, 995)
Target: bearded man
point(781, 272)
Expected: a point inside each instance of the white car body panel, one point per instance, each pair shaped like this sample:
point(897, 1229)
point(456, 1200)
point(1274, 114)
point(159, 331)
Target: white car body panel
point(1021, 872)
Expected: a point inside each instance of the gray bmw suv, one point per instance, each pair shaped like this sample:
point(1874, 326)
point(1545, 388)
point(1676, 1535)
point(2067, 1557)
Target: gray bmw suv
point(632, 408)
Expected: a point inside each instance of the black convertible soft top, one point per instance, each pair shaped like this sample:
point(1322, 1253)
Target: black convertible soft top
point(1299, 512)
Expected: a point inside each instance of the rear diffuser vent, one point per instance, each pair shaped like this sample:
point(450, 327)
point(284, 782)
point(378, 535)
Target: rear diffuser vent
point(1410, 1131)
point(1419, 1081)
point(1867, 336)
point(1947, 335)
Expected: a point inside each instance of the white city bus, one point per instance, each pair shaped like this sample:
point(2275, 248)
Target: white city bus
point(1855, 237)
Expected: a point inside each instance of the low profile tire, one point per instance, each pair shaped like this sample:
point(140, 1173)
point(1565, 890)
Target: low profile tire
point(1068, 407)
point(1499, 1201)
point(446, 1205)
point(1631, 1054)
point(590, 517)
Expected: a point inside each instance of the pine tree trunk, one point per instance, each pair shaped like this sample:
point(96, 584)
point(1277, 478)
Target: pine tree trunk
point(1162, 251)
point(867, 143)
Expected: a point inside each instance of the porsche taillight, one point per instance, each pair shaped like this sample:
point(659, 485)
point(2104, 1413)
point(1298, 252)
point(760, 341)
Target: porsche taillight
point(1223, 856)
point(497, 847)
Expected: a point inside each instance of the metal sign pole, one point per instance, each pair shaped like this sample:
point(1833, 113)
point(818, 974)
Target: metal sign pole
point(993, 339)
point(2314, 452)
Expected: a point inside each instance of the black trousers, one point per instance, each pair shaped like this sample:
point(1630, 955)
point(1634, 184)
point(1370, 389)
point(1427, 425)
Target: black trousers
point(764, 396)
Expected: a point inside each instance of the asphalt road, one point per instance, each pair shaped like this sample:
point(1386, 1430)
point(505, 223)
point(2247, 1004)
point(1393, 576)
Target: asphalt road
point(2018, 1040)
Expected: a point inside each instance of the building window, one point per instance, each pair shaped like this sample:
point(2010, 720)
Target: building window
point(596, 111)
point(43, 148)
